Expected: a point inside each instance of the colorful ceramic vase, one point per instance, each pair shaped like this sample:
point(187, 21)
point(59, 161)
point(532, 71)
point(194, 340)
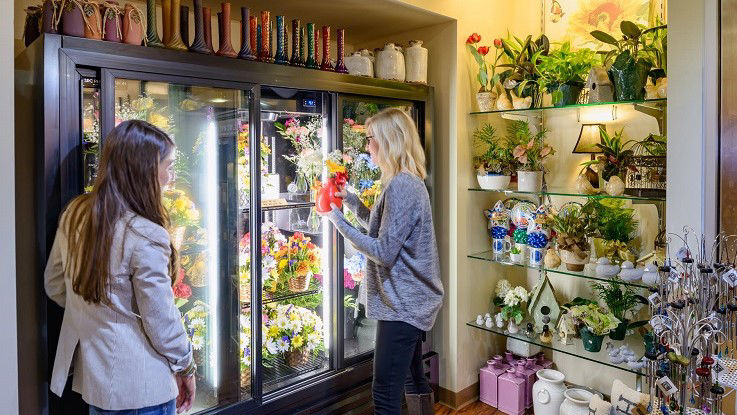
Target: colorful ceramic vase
point(296, 59)
point(72, 18)
point(326, 65)
point(253, 33)
point(32, 26)
point(226, 46)
point(132, 25)
point(489, 380)
point(311, 59)
point(166, 20)
point(175, 34)
point(416, 62)
point(198, 44)
point(49, 16)
point(280, 57)
point(207, 29)
point(264, 52)
point(245, 52)
point(112, 22)
point(340, 63)
point(271, 41)
point(184, 24)
point(152, 35)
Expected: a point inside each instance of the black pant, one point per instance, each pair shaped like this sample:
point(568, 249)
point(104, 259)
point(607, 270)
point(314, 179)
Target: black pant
point(398, 366)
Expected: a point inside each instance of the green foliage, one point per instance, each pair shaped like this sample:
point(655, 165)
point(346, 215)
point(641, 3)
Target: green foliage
point(655, 47)
point(350, 302)
point(573, 227)
point(598, 320)
point(528, 149)
point(634, 39)
point(617, 154)
point(565, 66)
point(495, 156)
point(514, 250)
point(619, 298)
point(483, 76)
point(523, 58)
point(610, 220)
point(653, 145)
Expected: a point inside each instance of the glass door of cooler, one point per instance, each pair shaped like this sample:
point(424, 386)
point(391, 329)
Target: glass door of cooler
point(358, 330)
point(211, 125)
point(296, 243)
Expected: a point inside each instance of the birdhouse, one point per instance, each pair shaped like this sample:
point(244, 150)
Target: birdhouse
point(543, 307)
point(599, 85)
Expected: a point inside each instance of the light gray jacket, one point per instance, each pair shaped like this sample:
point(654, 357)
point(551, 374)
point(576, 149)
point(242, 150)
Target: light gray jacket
point(124, 354)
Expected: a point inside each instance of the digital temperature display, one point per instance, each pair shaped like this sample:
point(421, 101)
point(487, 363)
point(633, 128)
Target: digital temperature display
point(309, 102)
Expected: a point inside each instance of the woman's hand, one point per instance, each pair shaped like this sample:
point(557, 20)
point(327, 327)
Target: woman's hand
point(186, 386)
point(332, 208)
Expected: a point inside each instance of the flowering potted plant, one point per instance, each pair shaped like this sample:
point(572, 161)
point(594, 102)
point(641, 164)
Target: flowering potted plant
point(510, 300)
point(530, 152)
point(572, 226)
point(563, 72)
point(485, 96)
point(597, 323)
point(291, 331)
point(495, 162)
point(297, 261)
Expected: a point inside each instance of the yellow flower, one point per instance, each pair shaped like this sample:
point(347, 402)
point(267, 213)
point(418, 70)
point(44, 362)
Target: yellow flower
point(334, 167)
point(159, 120)
point(180, 204)
point(273, 331)
point(297, 341)
point(283, 263)
point(302, 269)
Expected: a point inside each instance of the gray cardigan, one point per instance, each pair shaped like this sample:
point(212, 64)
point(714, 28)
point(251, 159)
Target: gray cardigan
point(403, 274)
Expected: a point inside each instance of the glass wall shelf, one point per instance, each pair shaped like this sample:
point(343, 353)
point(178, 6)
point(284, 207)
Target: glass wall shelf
point(575, 348)
point(564, 192)
point(587, 273)
point(536, 111)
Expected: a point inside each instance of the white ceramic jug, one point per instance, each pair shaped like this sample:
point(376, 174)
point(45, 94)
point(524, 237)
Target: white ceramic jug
point(390, 63)
point(547, 392)
point(416, 60)
point(359, 63)
point(576, 402)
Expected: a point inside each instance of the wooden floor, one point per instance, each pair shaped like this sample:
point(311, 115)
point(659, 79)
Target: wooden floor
point(476, 408)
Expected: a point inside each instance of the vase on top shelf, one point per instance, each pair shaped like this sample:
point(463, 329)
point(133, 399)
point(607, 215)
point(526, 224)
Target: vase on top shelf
point(175, 35)
point(281, 55)
point(360, 64)
point(311, 61)
point(166, 20)
point(246, 52)
point(184, 24)
point(31, 27)
point(198, 44)
point(207, 29)
point(152, 34)
point(132, 25)
point(390, 63)
point(93, 21)
point(416, 61)
point(326, 65)
point(264, 52)
point(226, 45)
point(296, 59)
point(340, 64)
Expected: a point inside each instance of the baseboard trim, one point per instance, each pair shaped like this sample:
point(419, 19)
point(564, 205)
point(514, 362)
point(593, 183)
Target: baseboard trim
point(457, 400)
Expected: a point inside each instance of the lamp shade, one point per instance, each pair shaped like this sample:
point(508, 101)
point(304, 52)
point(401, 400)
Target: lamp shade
point(588, 138)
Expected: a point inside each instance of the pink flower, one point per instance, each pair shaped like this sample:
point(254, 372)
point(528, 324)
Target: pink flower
point(182, 290)
point(348, 280)
point(519, 151)
point(531, 144)
point(349, 121)
point(498, 43)
point(545, 151)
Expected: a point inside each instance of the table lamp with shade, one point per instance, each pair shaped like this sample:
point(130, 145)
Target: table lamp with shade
point(588, 138)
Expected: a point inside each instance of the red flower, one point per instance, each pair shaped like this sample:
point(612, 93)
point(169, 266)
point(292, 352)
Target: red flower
point(498, 43)
point(182, 290)
point(341, 179)
point(474, 38)
point(483, 50)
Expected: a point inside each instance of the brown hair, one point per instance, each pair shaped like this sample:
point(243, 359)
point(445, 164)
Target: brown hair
point(127, 180)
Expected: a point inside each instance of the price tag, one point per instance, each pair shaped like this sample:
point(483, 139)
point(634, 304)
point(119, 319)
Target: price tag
point(730, 277)
point(673, 276)
point(654, 299)
point(718, 368)
point(666, 386)
point(683, 253)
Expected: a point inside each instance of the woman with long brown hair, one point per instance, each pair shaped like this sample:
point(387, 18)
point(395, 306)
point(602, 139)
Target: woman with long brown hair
point(111, 267)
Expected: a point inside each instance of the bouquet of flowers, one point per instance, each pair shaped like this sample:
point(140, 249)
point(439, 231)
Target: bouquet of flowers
point(295, 332)
point(306, 141)
point(354, 271)
point(144, 108)
point(244, 171)
point(182, 210)
point(354, 135)
point(337, 177)
point(195, 324)
point(182, 291)
point(271, 240)
point(368, 195)
point(297, 261)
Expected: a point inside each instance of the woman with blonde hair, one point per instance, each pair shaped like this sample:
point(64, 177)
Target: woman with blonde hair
point(403, 275)
point(111, 267)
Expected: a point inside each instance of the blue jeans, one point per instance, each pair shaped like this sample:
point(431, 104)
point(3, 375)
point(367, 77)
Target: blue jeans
point(169, 408)
point(398, 366)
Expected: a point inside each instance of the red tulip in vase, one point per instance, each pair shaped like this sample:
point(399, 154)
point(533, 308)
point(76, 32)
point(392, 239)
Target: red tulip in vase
point(326, 194)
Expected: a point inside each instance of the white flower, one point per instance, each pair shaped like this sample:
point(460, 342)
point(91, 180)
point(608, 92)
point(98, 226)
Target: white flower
point(282, 322)
point(196, 323)
point(502, 287)
point(521, 293)
point(271, 347)
point(282, 345)
point(511, 299)
point(198, 342)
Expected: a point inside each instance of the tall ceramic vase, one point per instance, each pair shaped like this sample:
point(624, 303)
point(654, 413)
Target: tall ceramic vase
point(547, 392)
point(246, 52)
point(72, 18)
point(166, 19)
point(49, 16)
point(175, 34)
point(264, 51)
point(152, 35)
point(32, 26)
point(112, 22)
point(226, 45)
point(326, 65)
point(198, 44)
point(132, 25)
point(340, 63)
point(281, 56)
point(184, 24)
point(93, 21)
point(207, 29)
point(253, 33)
point(296, 59)
point(311, 59)
point(302, 50)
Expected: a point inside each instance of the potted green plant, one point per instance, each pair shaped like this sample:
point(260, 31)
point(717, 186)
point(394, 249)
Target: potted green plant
point(563, 72)
point(572, 230)
point(516, 255)
point(632, 63)
point(617, 157)
point(521, 77)
point(596, 322)
point(512, 310)
point(485, 96)
point(613, 227)
point(494, 162)
point(529, 151)
point(621, 301)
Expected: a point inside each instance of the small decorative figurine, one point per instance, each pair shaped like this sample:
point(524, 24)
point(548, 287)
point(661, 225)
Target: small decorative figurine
point(498, 226)
point(566, 328)
point(650, 275)
point(479, 320)
point(546, 337)
point(629, 272)
point(503, 103)
point(530, 330)
point(552, 259)
point(604, 269)
point(520, 103)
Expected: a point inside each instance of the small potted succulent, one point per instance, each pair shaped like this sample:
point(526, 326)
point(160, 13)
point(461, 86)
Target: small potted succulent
point(621, 301)
point(495, 162)
point(632, 60)
point(572, 226)
point(563, 72)
point(516, 255)
point(530, 151)
point(596, 322)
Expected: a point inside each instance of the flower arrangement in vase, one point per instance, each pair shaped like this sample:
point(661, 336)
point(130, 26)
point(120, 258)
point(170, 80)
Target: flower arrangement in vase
point(572, 226)
point(529, 151)
point(195, 324)
point(292, 332)
point(597, 322)
point(354, 271)
point(485, 96)
point(305, 138)
point(297, 261)
point(510, 300)
point(563, 73)
point(182, 214)
point(617, 157)
point(271, 241)
point(621, 300)
point(244, 171)
point(495, 162)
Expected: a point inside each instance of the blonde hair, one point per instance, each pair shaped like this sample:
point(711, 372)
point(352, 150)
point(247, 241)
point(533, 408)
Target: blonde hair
point(399, 144)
